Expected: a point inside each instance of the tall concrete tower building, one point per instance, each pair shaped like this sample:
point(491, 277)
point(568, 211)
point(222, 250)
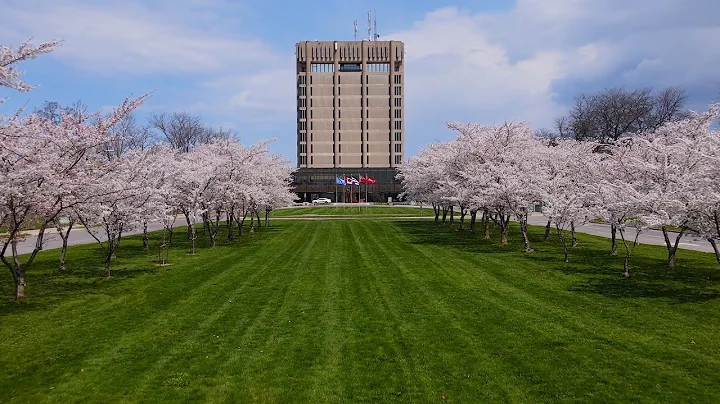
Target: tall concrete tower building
point(350, 104)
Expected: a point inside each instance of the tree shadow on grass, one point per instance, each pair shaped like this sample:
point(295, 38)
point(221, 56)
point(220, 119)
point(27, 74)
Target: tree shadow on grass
point(694, 279)
point(423, 232)
point(85, 273)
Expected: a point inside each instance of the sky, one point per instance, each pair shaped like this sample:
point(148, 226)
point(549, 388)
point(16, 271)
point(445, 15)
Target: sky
point(231, 62)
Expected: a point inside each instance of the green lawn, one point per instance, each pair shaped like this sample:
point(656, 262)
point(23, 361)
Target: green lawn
point(394, 211)
point(365, 311)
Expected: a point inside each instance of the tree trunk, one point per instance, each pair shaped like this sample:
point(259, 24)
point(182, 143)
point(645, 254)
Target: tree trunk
point(252, 222)
point(107, 268)
point(547, 230)
point(64, 235)
point(444, 212)
point(109, 255)
point(628, 251)
point(170, 236)
point(562, 241)
point(267, 217)
point(504, 224)
point(672, 248)
point(436, 209)
point(19, 288)
point(714, 245)
point(473, 219)
point(189, 226)
point(452, 214)
point(462, 218)
point(257, 214)
point(613, 238)
point(486, 224)
point(572, 234)
point(145, 239)
point(523, 219)
point(241, 225)
point(230, 225)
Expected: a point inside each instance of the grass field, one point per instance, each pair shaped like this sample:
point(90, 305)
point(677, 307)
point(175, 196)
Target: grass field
point(345, 210)
point(364, 311)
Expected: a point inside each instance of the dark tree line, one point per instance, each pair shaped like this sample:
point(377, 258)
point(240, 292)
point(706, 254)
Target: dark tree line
point(180, 130)
point(612, 113)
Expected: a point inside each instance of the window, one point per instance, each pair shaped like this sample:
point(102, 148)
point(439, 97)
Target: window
point(311, 87)
point(301, 102)
point(311, 114)
point(301, 91)
point(311, 102)
point(311, 148)
point(367, 102)
point(339, 80)
point(398, 136)
point(398, 114)
point(398, 125)
point(302, 114)
point(312, 159)
point(398, 148)
point(398, 102)
point(367, 113)
point(322, 68)
point(301, 79)
point(350, 67)
point(367, 124)
point(378, 67)
point(339, 148)
point(339, 112)
point(339, 137)
point(398, 159)
point(339, 125)
point(398, 79)
point(339, 102)
point(367, 160)
point(311, 136)
point(338, 90)
point(398, 90)
point(367, 147)
point(367, 90)
point(311, 79)
point(311, 125)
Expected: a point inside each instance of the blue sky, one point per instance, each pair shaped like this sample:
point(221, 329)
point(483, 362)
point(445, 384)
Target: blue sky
point(231, 62)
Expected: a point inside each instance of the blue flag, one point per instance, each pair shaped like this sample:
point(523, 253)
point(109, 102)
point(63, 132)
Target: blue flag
point(340, 181)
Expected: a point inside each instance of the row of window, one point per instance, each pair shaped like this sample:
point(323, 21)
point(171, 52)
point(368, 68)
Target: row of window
point(302, 80)
point(303, 137)
point(303, 160)
point(302, 125)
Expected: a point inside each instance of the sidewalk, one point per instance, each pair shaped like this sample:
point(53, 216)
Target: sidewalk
point(78, 235)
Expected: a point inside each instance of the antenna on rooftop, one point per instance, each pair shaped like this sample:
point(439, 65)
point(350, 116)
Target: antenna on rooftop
point(355, 23)
point(375, 34)
point(369, 26)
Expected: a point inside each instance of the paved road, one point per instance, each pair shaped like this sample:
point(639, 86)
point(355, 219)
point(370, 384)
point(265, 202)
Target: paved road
point(654, 237)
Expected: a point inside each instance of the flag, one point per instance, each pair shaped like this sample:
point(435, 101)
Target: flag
point(351, 181)
point(340, 181)
point(370, 180)
point(363, 180)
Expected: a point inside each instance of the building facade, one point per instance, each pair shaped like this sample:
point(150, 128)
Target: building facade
point(350, 118)
point(350, 104)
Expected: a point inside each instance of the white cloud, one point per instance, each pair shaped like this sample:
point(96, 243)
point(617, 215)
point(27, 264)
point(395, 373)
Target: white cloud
point(496, 66)
point(132, 38)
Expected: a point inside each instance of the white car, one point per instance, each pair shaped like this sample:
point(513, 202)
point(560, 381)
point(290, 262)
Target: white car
point(321, 200)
